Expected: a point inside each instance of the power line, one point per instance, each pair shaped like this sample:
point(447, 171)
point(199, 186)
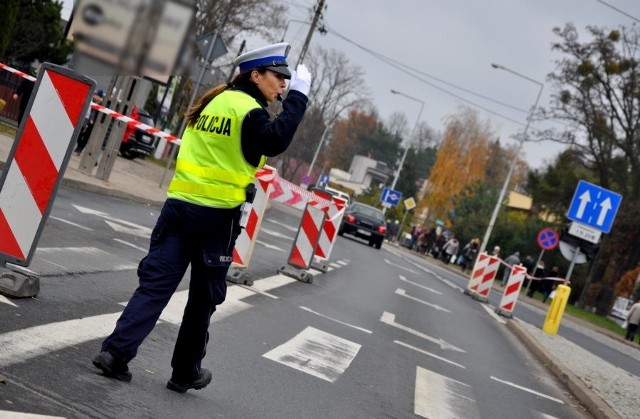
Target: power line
point(403, 68)
point(618, 10)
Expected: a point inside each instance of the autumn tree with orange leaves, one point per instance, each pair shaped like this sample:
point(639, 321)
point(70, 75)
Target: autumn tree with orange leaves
point(461, 159)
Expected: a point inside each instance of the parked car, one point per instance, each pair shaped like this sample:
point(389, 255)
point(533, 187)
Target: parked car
point(365, 222)
point(137, 143)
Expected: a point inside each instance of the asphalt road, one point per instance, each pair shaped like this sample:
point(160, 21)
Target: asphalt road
point(383, 334)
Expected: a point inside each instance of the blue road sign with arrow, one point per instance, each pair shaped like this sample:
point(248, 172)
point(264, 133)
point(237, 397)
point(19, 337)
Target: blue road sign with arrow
point(594, 206)
point(391, 197)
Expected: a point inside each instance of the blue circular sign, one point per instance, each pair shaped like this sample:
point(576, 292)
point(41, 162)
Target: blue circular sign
point(548, 239)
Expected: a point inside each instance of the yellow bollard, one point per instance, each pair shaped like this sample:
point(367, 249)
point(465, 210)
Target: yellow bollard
point(556, 310)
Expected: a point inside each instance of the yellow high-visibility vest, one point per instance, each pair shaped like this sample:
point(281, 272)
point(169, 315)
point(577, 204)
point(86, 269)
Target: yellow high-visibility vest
point(210, 168)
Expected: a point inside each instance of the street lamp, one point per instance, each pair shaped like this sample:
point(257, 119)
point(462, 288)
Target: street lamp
point(413, 131)
point(512, 166)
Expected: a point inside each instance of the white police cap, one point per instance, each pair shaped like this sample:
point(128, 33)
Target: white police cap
point(272, 57)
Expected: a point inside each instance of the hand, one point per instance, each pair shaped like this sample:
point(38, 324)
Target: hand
point(301, 80)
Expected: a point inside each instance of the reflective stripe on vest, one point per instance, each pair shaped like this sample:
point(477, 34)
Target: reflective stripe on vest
point(210, 168)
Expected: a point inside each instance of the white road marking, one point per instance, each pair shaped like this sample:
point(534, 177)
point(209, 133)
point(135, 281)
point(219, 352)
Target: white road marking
point(173, 312)
point(5, 300)
point(6, 414)
point(131, 245)
point(117, 224)
point(335, 320)
point(403, 278)
point(422, 351)
point(316, 353)
point(437, 396)
point(342, 262)
point(528, 390)
point(390, 319)
point(275, 233)
point(85, 258)
point(493, 314)
point(402, 292)
point(62, 220)
point(21, 345)
point(294, 229)
point(335, 265)
point(400, 266)
point(270, 246)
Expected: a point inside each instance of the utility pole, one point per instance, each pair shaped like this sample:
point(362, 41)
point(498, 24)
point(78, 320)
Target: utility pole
point(307, 41)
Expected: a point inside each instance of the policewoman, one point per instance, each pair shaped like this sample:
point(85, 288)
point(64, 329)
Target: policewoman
point(229, 133)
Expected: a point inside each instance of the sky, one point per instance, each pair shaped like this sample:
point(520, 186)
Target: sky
point(455, 41)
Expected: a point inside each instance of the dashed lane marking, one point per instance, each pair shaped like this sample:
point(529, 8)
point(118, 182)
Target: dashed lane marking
point(275, 233)
point(6, 414)
point(528, 390)
point(335, 320)
point(403, 293)
point(422, 351)
point(294, 229)
point(126, 243)
point(5, 300)
point(270, 246)
point(400, 266)
point(316, 353)
point(71, 223)
point(390, 319)
point(403, 278)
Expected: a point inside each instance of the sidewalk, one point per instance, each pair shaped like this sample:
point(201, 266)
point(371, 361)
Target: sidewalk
point(606, 391)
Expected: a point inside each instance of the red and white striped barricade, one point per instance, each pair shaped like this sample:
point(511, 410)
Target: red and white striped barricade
point(482, 276)
point(512, 291)
point(38, 158)
point(289, 194)
point(323, 240)
point(247, 239)
point(305, 243)
point(329, 232)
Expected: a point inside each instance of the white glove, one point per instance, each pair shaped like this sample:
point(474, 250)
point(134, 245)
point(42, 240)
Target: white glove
point(301, 80)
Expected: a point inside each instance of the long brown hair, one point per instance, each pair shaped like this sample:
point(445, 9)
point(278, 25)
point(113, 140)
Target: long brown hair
point(193, 114)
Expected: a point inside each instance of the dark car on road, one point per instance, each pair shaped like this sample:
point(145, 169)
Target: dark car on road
point(138, 143)
point(365, 222)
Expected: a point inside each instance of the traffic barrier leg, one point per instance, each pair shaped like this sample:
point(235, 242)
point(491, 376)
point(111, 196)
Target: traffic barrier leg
point(33, 172)
point(305, 244)
point(246, 241)
point(511, 291)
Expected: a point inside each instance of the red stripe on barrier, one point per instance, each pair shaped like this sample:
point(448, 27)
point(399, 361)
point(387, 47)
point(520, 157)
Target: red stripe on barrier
point(513, 287)
point(309, 228)
point(8, 243)
point(509, 306)
point(40, 177)
point(296, 258)
point(236, 256)
point(252, 222)
point(72, 90)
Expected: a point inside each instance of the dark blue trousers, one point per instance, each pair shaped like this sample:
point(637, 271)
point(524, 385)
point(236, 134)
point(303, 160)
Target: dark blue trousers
point(184, 234)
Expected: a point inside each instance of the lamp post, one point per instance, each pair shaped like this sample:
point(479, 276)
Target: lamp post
point(413, 131)
point(512, 166)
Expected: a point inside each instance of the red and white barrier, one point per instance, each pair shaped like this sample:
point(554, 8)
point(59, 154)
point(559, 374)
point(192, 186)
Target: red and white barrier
point(247, 239)
point(482, 276)
point(305, 244)
point(512, 291)
point(38, 158)
point(294, 196)
point(330, 228)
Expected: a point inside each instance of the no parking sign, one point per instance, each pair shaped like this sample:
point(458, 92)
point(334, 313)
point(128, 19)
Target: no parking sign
point(548, 239)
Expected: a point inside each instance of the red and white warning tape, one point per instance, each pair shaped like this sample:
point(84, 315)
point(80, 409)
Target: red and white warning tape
point(118, 116)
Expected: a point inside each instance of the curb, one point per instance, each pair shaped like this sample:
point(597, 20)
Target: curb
point(594, 404)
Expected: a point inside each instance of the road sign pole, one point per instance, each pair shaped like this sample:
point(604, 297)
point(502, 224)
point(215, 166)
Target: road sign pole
point(401, 225)
point(534, 270)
